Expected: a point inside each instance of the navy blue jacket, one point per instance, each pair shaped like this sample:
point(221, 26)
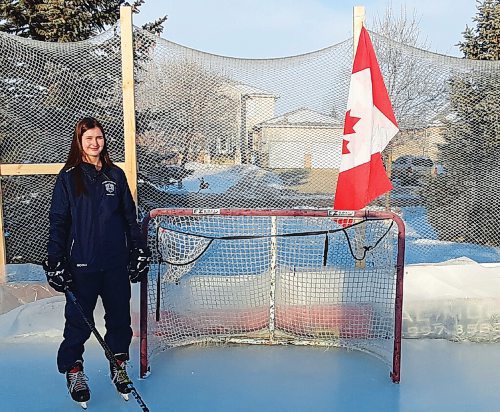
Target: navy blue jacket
point(97, 229)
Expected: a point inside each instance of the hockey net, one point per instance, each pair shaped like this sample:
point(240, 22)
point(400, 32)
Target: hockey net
point(304, 277)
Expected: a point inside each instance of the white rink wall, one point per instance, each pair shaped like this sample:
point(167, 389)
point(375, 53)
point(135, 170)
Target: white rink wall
point(456, 300)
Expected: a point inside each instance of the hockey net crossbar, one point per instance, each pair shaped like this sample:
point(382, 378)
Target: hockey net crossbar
point(209, 239)
point(297, 276)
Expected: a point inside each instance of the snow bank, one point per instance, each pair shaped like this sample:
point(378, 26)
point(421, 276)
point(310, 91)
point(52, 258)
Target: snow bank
point(45, 318)
point(15, 294)
point(41, 318)
point(457, 300)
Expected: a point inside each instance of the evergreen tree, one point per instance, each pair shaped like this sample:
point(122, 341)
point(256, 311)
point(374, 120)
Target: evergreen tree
point(45, 88)
point(64, 21)
point(49, 83)
point(55, 83)
point(464, 204)
point(483, 42)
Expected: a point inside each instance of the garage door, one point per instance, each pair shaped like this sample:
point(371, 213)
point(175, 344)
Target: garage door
point(325, 155)
point(286, 155)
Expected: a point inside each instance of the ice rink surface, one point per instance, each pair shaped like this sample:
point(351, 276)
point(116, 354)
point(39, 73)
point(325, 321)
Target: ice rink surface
point(437, 375)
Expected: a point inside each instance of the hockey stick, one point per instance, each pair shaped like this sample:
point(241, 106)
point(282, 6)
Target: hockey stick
point(109, 354)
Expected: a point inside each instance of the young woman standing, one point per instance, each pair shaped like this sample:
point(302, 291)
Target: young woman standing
point(95, 248)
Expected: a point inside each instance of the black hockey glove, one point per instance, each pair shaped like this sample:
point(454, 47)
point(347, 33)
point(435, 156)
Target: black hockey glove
point(139, 264)
point(57, 275)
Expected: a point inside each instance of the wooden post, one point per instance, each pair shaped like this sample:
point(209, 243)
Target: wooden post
point(358, 20)
point(3, 252)
point(388, 169)
point(127, 50)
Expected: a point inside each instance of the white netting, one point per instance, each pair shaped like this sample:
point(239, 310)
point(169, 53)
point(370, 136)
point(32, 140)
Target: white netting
point(272, 279)
point(215, 131)
point(44, 89)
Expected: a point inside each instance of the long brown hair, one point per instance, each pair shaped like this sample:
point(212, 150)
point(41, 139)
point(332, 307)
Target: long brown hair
point(75, 156)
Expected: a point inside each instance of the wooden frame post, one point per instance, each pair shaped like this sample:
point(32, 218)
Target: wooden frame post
point(358, 20)
point(3, 251)
point(127, 50)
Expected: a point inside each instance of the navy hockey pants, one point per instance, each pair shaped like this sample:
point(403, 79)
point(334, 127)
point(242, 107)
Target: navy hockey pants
point(113, 286)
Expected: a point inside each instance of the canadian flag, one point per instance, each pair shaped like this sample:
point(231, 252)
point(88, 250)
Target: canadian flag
point(369, 125)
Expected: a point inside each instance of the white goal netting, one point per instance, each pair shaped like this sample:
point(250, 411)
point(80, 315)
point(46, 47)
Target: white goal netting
point(264, 276)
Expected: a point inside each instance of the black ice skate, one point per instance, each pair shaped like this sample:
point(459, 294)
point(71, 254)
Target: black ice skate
point(77, 384)
point(119, 376)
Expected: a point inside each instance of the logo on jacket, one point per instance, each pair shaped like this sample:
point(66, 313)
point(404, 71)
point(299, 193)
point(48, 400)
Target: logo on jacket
point(110, 187)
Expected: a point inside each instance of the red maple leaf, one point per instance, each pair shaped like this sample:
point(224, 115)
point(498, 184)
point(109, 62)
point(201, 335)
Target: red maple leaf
point(349, 123)
point(345, 150)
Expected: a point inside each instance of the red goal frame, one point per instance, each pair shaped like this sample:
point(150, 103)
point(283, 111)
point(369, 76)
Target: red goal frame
point(338, 216)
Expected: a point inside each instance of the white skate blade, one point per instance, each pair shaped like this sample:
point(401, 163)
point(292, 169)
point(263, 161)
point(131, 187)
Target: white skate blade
point(83, 405)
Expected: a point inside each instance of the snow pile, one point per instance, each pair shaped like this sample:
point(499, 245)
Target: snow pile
point(45, 318)
point(13, 295)
point(456, 300)
point(34, 319)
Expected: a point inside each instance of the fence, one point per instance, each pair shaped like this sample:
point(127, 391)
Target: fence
point(213, 131)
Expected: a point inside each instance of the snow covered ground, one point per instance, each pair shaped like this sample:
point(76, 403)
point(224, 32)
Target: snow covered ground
point(423, 245)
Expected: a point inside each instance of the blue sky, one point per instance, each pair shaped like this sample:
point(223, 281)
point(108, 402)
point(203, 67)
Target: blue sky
point(275, 28)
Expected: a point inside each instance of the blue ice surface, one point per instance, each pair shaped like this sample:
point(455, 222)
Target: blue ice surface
point(437, 375)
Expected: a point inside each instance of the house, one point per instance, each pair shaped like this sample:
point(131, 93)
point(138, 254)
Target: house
point(255, 106)
point(425, 140)
point(303, 138)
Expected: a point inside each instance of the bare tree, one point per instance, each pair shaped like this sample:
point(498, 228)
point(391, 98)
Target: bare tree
point(193, 108)
point(416, 94)
point(402, 28)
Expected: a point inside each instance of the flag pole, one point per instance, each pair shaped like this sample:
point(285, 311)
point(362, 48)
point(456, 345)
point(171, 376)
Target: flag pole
point(357, 23)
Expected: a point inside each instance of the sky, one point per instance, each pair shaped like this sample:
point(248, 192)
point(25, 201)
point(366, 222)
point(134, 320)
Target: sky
point(277, 28)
